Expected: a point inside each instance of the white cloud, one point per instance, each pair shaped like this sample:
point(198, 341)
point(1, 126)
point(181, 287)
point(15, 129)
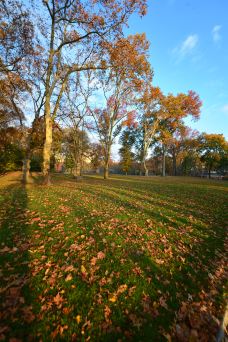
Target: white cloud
point(187, 47)
point(225, 108)
point(189, 44)
point(216, 33)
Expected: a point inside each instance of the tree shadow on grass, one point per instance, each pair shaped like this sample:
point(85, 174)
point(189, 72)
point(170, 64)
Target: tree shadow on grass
point(195, 199)
point(154, 312)
point(159, 288)
point(191, 275)
point(128, 204)
point(36, 177)
point(16, 299)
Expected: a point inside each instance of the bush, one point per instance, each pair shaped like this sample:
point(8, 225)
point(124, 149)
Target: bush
point(11, 157)
point(36, 163)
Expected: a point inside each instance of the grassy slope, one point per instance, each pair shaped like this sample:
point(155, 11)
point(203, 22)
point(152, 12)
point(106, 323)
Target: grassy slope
point(128, 258)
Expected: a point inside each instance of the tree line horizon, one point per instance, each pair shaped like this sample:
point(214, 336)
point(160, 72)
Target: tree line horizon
point(57, 59)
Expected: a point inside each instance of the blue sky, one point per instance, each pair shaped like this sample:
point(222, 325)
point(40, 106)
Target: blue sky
point(189, 50)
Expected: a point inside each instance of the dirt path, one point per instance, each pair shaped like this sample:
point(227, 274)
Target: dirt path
point(10, 178)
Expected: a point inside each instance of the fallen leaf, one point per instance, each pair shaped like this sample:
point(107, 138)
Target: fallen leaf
point(162, 302)
point(68, 277)
point(159, 261)
point(107, 313)
point(58, 299)
point(5, 249)
point(93, 261)
point(113, 299)
point(78, 319)
point(122, 288)
point(83, 269)
point(100, 255)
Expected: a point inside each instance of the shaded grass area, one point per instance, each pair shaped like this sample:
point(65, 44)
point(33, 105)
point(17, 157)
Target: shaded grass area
point(130, 258)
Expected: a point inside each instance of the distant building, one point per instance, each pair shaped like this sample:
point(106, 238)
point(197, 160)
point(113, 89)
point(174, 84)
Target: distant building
point(59, 162)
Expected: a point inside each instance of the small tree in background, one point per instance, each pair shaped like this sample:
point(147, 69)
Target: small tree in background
point(96, 156)
point(151, 114)
point(176, 109)
point(213, 149)
point(76, 148)
point(120, 85)
point(126, 154)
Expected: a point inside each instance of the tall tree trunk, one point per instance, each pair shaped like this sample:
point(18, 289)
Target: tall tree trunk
point(27, 160)
point(174, 162)
point(76, 171)
point(26, 168)
point(47, 110)
point(77, 168)
point(106, 169)
point(145, 167)
point(28, 153)
point(48, 143)
point(209, 173)
point(163, 161)
point(82, 150)
point(143, 162)
point(106, 164)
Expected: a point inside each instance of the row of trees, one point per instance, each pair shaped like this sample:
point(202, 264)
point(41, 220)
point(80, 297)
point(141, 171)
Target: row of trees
point(67, 68)
point(189, 153)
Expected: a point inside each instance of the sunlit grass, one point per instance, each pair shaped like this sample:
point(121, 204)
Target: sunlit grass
point(117, 259)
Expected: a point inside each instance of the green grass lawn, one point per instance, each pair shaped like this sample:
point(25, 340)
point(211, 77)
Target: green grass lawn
point(130, 258)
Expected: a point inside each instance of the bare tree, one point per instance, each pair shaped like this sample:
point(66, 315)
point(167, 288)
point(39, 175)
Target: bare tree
point(75, 42)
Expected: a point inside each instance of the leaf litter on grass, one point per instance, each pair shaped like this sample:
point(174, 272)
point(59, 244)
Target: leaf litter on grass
point(122, 259)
